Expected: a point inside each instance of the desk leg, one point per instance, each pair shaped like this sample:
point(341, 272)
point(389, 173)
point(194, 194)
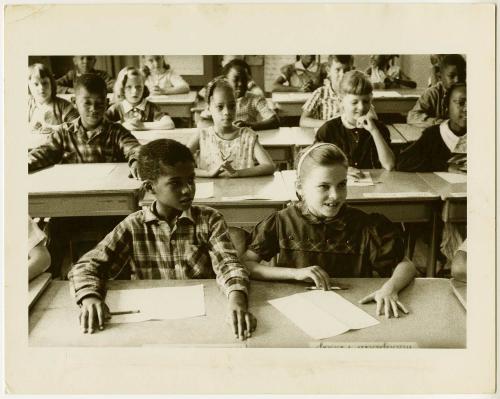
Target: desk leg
point(433, 245)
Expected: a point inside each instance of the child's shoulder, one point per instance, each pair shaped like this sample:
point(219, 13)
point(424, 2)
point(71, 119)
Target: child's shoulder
point(203, 214)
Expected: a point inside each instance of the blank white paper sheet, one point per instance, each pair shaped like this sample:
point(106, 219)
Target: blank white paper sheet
point(163, 303)
point(452, 178)
point(323, 314)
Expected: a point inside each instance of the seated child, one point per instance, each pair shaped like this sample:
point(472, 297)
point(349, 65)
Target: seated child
point(160, 78)
point(224, 148)
point(38, 255)
point(251, 110)
point(431, 107)
point(441, 147)
point(364, 139)
point(46, 111)
point(385, 73)
point(321, 237)
point(435, 75)
point(303, 75)
point(459, 263)
point(89, 138)
point(324, 103)
point(132, 108)
point(172, 239)
point(84, 64)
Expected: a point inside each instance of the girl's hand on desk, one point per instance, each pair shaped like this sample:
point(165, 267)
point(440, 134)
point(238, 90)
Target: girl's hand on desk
point(387, 298)
point(316, 274)
point(354, 172)
point(93, 313)
point(241, 320)
point(229, 169)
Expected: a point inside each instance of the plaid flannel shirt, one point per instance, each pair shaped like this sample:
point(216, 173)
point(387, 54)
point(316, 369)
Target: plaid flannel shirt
point(143, 246)
point(110, 142)
point(323, 104)
point(252, 108)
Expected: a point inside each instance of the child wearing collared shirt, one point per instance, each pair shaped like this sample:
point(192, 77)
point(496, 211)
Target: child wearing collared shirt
point(364, 139)
point(441, 147)
point(303, 75)
point(160, 78)
point(133, 110)
point(172, 239)
point(90, 138)
point(46, 111)
point(84, 64)
point(431, 108)
point(321, 237)
point(324, 104)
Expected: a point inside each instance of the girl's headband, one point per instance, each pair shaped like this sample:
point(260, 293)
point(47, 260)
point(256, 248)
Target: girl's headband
point(309, 150)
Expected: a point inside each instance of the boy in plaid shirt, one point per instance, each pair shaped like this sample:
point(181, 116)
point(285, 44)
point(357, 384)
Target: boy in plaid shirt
point(172, 239)
point(90, 138)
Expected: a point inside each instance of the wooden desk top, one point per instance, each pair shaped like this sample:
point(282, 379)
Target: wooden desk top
point(392, 94)
point(270, 187)
point(186, 98)
point(443, 188)
point(53, 320)
point(89, 178)
point(409, 186)
point(409, 132)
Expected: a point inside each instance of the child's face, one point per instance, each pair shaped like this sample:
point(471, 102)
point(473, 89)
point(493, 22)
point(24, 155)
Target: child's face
point(40, 88)
point(91, 107)
point(175, 188)
point(153, 62)
point(337, 71)
point(458, 108)
point(324, 189)
point(306, 60)
point(354, 106)
point(239, 81)
point(449, 76)
point(84, 63)
point(133, 90)
point(223, 107)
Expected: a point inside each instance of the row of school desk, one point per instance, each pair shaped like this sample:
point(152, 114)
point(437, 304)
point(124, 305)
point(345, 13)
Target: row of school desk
point(106, 189)
point(53, 320)
point(287, 104)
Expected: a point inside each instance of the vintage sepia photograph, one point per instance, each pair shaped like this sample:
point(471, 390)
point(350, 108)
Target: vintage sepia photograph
point(194, 209)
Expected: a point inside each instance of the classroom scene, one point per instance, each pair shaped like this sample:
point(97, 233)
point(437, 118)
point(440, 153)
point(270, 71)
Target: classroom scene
point(156, 182)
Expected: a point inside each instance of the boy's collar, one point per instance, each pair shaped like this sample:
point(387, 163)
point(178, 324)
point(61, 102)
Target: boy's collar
point(150, 214)
point(128, 107)
point(96, 130)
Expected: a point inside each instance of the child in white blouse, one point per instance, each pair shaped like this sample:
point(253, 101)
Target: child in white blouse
point(224, 149)
point(132, 108)
point(160, 78)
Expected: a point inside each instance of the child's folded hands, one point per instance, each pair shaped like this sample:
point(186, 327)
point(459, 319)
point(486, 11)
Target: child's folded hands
point(386, 299)
point(93, 314)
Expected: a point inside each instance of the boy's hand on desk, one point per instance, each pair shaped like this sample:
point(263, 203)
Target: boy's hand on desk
point(387, 298)
point(241, 320)
point(316, 274)
point(93, 313)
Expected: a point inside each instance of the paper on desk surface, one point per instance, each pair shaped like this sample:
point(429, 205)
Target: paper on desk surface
point(323, 314)
point(452, 177)
point(204, 190)
point(404, 194)
point(163, 303)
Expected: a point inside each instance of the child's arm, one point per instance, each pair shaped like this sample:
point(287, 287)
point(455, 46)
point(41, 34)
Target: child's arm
point(49, 153)
point(259, 271)
point(416, 156)
point(129, 146)
point(387, 295)
point(307, 120)
point(231, 276)
point(385, 154)
point(459, 263)
point(310, 109)
point(424, 112)
point(265, 164)
point(38, 261)
point(194, 146)
point(269, 118)
point(87, 277)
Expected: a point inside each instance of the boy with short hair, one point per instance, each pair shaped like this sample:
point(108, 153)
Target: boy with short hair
point(83, 64)
point(431, 108)
point(172, 239)
point(91, 138)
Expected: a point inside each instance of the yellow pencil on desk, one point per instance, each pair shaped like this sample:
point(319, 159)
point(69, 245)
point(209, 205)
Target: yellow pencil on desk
point(124, 312)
